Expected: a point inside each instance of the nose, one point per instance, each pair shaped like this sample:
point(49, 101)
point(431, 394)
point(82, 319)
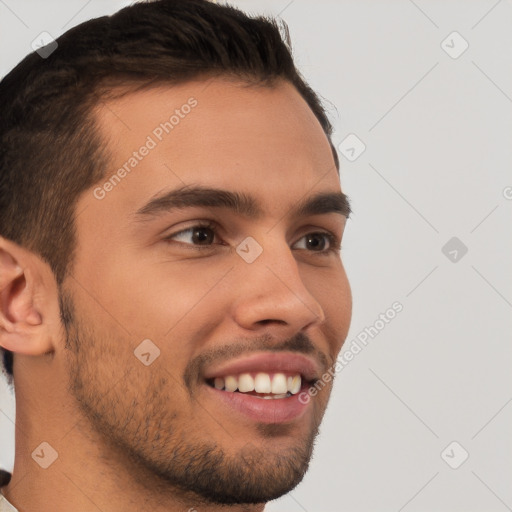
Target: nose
point(272, 291)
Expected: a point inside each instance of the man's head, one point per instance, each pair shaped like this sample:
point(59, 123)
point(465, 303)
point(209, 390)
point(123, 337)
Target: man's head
point(170, 219)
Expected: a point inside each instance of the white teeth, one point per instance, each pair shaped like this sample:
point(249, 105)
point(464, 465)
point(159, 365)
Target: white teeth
point(296, 385)
point(262, 383)
point(279, 385)
point(231, 383)
point(245, 383)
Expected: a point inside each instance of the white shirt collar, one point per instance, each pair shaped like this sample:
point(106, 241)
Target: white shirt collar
point(5, 506)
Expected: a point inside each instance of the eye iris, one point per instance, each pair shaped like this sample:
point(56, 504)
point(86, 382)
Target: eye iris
point(316, 241)
point(202, 236)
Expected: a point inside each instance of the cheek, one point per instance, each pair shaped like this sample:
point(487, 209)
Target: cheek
point(117, 393)
point(173, 306)
point(331, 288)
point(156, 295)
point(332, 291)
point(342, 296)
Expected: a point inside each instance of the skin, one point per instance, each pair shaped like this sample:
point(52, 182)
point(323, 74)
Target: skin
point(123, 430)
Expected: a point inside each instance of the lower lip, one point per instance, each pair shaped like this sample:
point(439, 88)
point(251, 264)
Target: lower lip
point(276, 410)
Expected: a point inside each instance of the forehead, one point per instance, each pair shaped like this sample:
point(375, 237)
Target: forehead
point(264, 141)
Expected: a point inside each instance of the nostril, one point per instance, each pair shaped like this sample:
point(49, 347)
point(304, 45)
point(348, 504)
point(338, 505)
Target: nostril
point(270, 320)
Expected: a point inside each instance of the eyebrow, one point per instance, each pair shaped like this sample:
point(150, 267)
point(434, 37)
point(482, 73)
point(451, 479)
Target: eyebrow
point(240, 203)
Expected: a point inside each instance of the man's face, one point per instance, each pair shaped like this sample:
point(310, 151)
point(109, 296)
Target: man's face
point(218, 312)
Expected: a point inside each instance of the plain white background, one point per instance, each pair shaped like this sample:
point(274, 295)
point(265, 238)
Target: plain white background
point(435, 119)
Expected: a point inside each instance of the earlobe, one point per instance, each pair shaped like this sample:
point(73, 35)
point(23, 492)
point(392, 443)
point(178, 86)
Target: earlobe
point(22, 326)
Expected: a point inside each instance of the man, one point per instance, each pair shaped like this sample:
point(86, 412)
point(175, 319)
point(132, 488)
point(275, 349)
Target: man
point(172, 295)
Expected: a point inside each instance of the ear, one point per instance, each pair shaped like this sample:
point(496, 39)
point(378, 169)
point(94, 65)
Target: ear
point(28, 296)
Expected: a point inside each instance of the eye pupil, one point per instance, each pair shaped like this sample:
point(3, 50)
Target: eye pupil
point(203, 235)
point(316, 241)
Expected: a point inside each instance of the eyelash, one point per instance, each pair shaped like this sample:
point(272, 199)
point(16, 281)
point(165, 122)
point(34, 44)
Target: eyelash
point(334, 242)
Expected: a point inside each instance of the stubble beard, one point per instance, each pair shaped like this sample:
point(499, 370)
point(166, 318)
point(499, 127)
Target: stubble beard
point(163, 455)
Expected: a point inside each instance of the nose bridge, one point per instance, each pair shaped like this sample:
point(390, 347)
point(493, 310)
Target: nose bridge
point(272, 287)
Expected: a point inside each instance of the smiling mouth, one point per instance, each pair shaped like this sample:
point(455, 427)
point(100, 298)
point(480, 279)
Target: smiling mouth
point(267, 386)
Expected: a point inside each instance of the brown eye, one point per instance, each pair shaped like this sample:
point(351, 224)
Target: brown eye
point(316, 241)
point(198, 235)
point(320, 242)
point(202, 235)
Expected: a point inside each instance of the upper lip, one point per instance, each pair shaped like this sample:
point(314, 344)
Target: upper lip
point(268, 362)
